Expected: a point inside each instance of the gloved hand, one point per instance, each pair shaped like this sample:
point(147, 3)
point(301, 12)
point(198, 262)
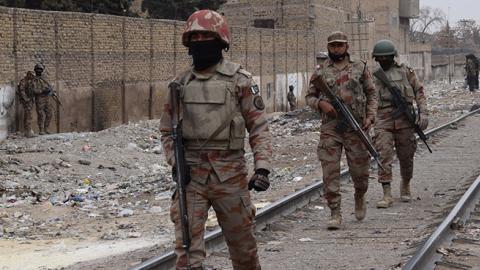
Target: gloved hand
point(422, 121)
point(187, 174)
point(259, 181)
point(327, 108)
point(367, 122)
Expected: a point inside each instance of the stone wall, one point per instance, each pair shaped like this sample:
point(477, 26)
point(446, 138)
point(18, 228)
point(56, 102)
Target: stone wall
point(110, 70)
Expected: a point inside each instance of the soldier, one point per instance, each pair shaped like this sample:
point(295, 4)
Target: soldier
point(352, 82)
point(292, 100)
point(472, 70)
point(42, 91)
point(321, 57)
point(219, 100)
point(399, 132)
point(26, 98)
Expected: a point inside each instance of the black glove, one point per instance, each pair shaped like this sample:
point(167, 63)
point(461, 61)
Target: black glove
point(259, 180)
point(187, 174)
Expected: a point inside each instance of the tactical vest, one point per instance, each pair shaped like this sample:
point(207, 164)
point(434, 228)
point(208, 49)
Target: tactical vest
point(211, 105)
point(351, 92)
point(398, 77)
point(38, 85)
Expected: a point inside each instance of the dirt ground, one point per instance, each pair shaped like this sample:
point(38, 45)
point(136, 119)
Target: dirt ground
point(387, 237)
point(78, 197)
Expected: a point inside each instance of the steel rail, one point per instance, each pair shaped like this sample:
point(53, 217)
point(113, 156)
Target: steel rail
point(214, 240)
point(426, 256)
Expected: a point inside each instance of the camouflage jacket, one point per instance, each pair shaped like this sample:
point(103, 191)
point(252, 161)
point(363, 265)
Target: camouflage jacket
point(412, 89)
point(24, 90)
point(39, 86)
point(353, 84)
point(226, 164)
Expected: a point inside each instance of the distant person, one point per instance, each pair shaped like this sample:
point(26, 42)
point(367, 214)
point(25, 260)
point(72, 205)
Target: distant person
point(321, 57)
point(26, 98)
point(292, 100)
point(471, 68)
point(43, 92)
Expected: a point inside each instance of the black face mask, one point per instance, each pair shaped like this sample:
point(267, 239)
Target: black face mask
point(205, 53)
point(386, 63)
point(38, 72)
point(336, 57)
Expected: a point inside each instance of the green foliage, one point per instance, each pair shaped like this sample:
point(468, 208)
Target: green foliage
point(177, 9)
point(115, 7)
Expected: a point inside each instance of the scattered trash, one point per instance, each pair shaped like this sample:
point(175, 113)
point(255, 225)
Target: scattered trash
point(84, 162)
point(305, 239)
point(126, 213)
point(298, 178)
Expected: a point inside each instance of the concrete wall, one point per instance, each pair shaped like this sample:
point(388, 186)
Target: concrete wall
point(448, 67)
point(110, 70)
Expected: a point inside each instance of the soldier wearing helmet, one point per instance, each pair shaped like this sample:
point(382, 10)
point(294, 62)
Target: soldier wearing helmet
point(219, 102)
point(398, 131)
point(351, 81)
point(42, 91)
point(26, 98)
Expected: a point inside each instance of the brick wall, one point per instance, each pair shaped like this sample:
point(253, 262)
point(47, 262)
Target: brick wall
point(110, 70)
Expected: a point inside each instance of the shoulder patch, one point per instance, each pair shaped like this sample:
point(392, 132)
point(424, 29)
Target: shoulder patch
point(258, 103)
point(255, 90)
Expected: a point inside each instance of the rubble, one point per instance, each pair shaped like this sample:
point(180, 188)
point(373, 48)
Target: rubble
point(82, 185)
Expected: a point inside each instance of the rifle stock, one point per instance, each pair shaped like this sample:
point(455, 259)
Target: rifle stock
point(401, 105)
point(347, 120)
point(180, 167)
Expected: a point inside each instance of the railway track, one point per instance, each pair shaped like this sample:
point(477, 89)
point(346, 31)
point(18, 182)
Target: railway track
point(455, 244)
point(284, 206)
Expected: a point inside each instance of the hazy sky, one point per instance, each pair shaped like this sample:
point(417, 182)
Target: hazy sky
point(459, 9)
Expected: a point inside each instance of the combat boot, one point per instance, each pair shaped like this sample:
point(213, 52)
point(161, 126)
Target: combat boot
point(360, 206)
point(405, 191)
point(335, 219)
point(30, 134)
point(41, 131)
point(387, 200)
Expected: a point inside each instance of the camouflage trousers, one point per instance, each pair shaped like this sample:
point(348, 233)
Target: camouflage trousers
point(44, 111)
point(329, 153)
point(27, 115)
point(405, 146)
point(235, 213)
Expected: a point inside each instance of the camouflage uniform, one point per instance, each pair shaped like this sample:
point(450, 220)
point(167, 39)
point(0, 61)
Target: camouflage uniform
point(354, 85)
point(26, 99)
point(41, 88)
point(398, 133)
point(218, 169)
point(292, 100)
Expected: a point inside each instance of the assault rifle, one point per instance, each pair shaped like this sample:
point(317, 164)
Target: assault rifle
point(347, 119)
point(403, 108)
point(180, 171)
point(54, 96)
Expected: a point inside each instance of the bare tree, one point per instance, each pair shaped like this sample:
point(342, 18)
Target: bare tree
point(468, 33)
point(421, 28)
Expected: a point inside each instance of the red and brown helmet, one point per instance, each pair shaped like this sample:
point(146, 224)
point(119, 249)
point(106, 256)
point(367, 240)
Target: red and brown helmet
point(206, 21)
